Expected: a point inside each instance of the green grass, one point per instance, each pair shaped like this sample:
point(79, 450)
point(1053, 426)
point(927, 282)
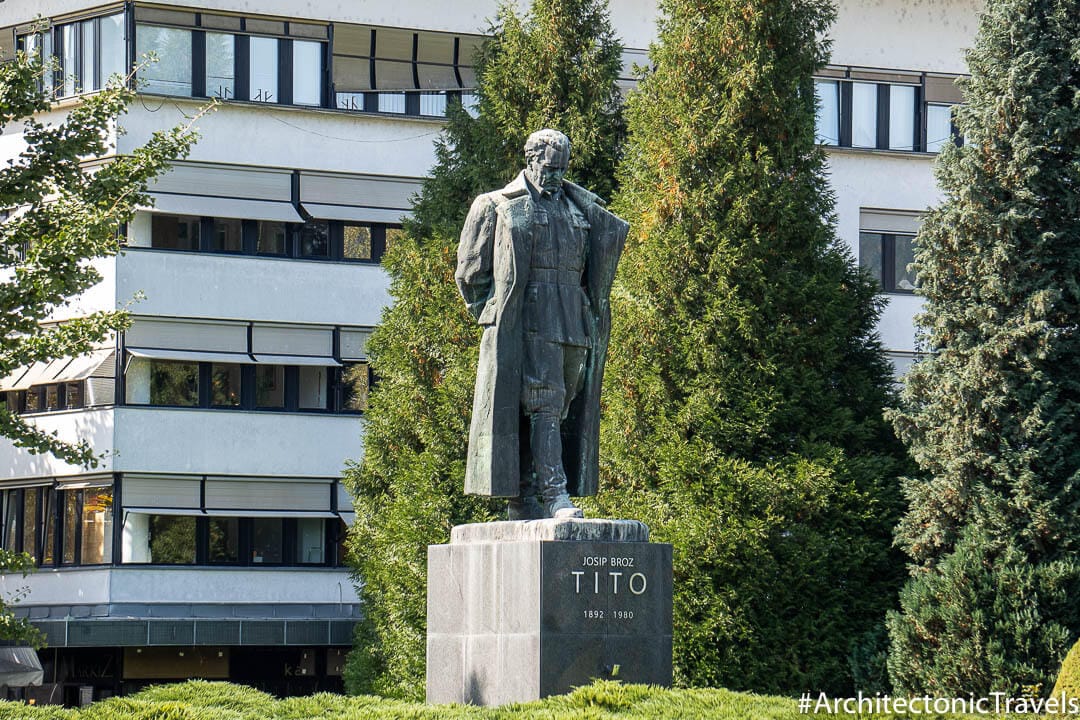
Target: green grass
point(200, 700)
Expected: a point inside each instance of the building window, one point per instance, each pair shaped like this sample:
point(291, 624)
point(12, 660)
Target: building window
point(162, 382)
point(39, 45)
point(69, 59)
point(73, 395)
point(357, 242)
point(221, 540)
point(864, 115)
point(52, 397)
point(113, 56)
point(224, 540)
point(11, 507)
point(313, 386)
point(307, 59)
point(263, 69)
point(174, 232)
point(228, 235)
point(902, 111)
point(885, 116)
point(221, 65)
point(171, 539)
point(940, 128)
point(887, 256)
point(46, 398)
point(172, 73)
point(271, 238)
point(392, 103)
point(433, 104)
point(267, 543)
point(48, 522)
point(828, 111)
point(224, 385)
point(310, 541)
point(315, 239)
point(31, 498)
point(71, 526)
point(355, 386)
point(270, 386)
point(96, 521)
point(90, 52)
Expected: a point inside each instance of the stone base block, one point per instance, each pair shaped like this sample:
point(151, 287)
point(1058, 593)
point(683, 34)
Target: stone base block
point(521, 610)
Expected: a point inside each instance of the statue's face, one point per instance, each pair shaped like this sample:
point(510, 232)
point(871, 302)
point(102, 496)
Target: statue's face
point(546, 170)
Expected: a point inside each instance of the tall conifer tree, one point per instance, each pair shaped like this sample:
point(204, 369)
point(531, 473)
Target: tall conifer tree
point(555, 67)
point(992, 415)
point(745, 388)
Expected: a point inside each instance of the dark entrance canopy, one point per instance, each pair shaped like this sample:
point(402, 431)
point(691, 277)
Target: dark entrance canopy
point(19, 667)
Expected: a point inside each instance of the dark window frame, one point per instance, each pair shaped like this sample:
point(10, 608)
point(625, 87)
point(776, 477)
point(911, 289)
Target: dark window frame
point(242, 66)
point(886, 274)
point(333, 531)
point(248, 396)
point(884, 100)
point(294, 232)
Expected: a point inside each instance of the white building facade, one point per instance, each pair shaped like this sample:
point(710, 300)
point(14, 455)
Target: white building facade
point(208, 541)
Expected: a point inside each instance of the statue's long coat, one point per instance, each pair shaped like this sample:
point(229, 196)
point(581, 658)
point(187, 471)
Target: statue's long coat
point(492, 272)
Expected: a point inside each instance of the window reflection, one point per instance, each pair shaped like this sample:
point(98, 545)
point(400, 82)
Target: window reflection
point(174, 383)
point(357, 244)
point(224, 540)
point(225, 385)
point(220, 65)
point(315, 239)
point(269, 386)
point(71, 519)
point(171, 74)
point(172, 539)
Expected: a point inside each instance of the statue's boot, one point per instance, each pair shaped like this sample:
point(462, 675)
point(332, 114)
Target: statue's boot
point(550, 475)
point(528, 508)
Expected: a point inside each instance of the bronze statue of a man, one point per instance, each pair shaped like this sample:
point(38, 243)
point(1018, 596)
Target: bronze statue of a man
point(535, 267)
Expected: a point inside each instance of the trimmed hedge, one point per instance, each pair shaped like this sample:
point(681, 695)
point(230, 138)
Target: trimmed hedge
point(201, 700)
point(1068, 680)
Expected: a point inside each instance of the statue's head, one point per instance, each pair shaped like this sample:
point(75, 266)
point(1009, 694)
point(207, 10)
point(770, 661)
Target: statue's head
point(547, 153)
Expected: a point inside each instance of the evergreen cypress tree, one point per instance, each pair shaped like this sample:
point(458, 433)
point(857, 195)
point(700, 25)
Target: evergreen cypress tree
point(991, 414)
point(745, 386)
point(555, 67)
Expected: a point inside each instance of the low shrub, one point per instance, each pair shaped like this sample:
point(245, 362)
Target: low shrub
point(603, 700)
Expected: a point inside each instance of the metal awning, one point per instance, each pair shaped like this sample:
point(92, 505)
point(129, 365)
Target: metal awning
point(352, 213)
point(26, 377)
point(59, 370)
point(83, 366)
point(19, 667)
point(162, 511)
point(238, 209)
point(191, 355)
point(271, 513)
point(306, 360)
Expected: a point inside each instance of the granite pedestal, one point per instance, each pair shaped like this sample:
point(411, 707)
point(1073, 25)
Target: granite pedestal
point(521, 610)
